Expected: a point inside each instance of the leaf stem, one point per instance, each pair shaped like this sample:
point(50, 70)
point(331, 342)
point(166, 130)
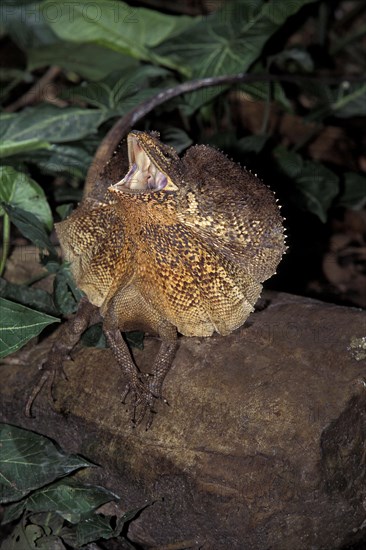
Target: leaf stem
point(6, 242)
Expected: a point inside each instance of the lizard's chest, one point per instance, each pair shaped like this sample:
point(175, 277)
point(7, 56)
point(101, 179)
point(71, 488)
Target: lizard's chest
point(190, 283)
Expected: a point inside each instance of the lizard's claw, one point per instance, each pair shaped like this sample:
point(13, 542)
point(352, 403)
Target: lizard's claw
point(46, 379)
point(144, 396)
point(50, 369)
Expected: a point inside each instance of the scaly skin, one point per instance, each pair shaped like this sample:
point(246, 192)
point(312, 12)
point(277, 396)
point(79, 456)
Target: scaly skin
point(179, 245)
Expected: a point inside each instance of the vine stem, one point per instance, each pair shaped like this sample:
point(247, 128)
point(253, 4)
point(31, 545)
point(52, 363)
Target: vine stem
point(125, 123)
point(6, 242)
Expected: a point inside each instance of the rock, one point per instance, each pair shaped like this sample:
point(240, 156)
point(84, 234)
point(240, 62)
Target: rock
point(262, 444)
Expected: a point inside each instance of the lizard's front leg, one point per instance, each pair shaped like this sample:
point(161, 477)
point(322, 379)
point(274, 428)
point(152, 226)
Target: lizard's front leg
point(123, 357)
point(161, 366)
point(69, 335)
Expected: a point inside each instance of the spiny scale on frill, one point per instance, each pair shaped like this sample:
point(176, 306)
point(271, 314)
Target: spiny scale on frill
point(233, 211)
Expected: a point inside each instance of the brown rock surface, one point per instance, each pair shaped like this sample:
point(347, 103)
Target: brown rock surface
point(262, 446)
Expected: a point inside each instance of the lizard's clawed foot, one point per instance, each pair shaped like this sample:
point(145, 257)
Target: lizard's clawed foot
point(67, 337)
point(51, 368)
point(144, 395)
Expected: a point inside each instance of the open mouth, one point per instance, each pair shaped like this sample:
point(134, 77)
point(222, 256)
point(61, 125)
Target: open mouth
point(143, 174)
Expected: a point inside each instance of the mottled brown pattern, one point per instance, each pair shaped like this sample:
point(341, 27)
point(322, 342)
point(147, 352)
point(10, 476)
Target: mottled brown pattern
point(190, 257)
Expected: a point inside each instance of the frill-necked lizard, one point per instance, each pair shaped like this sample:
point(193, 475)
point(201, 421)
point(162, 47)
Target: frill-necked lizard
point(176, 245)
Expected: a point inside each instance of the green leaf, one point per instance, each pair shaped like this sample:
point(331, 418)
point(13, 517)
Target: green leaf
point(10, 148)
point(176, 137)
point(354, 194)
point(26, 22)
point(50, 542)
point(30, 226)
point(70, 499)
point(289, 162)
point(229, 40)
point(315, 186)
point(253, 144)
point(115, 25)
point(121, 90)
point(66, 293)
point(19, 324)
point(96, 526)
point(34, 531)
point(13, 511)
point(135, 338)
point(24, 538)
point(29, 461)
point(50, 522)
point(351, 102)
point(50, 123)
point(28, 296)
point(346, 100)
point(19, 190)
point(293, 60)
point(266, 91)
point(67, 193)
point(90, 61)
point(94, 337)
point(60, 159)
point(318, 186)
point(64, 210)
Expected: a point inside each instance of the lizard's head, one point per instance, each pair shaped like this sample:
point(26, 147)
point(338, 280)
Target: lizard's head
point(151, 165)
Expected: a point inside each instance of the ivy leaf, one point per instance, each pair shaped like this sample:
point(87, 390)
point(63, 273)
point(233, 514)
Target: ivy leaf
point(19, 324)
point(315, 185)
point(119, 93)
point(229, 40)
point(24, 538)
point(29, 461)
point(70, 499)
point(253, 144)
point(115, 90)
point(135, 338)
point(96, 526)
point(91, 528)
point(19, 190)
point(94, 337)
point(28, 296)
point(294, 60)
point(176, 137)
point(30, 226)
point(64, 210)
point(354, 194)
point(352, 102)
point(66, 293)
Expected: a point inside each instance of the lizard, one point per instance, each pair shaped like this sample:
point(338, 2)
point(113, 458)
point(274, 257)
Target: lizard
point(272, 235)
point(168, 245)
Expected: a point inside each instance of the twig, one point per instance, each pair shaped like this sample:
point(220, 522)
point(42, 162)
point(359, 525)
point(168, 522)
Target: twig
point(35, 92)
point(6, 242)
